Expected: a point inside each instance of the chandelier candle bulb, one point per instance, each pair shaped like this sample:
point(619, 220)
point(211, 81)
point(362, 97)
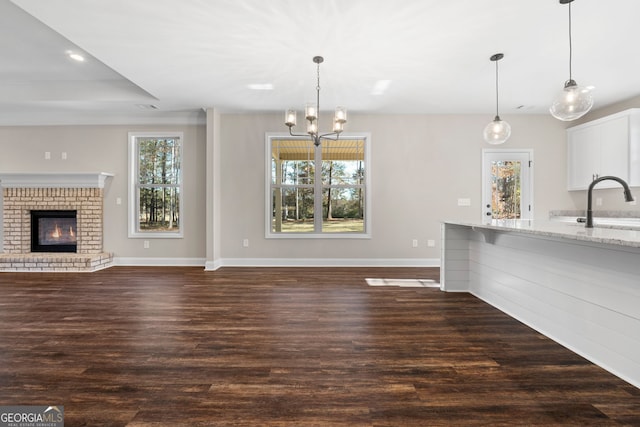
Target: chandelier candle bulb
point(291, 118)
point(341, 115)
point(338, 126)
point(312, 129)
point(310, 112)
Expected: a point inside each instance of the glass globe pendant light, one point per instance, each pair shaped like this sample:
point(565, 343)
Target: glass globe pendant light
point(498, 131)
point(574, 101)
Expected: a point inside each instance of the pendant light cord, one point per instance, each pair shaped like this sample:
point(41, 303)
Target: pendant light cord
point(570, 46)
point(497, 114)
point(318, 94)
point(316, 137)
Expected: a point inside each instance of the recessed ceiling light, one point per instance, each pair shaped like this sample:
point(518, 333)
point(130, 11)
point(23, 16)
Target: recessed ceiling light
point(380, 87)
point(147, 106)
point(75, 56)
point(260, 86)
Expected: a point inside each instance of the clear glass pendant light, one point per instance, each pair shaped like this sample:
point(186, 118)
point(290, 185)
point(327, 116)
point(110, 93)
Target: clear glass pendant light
point(574, 101)
point(498, 131)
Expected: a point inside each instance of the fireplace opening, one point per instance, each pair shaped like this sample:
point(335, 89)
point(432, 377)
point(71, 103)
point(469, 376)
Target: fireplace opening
point(53, 231)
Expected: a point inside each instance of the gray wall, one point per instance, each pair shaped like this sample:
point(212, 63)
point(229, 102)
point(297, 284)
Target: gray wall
point(421, 165)
point(104, 149)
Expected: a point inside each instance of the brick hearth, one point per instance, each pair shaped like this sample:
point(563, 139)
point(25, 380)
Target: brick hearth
point(23, 193)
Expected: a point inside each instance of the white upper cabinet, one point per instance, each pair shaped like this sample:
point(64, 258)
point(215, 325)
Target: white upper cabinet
point(607, 146)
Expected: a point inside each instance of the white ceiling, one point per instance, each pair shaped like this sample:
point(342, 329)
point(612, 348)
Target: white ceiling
point(183, 55)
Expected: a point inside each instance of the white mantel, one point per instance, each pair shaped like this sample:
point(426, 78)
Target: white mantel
point(54, 179)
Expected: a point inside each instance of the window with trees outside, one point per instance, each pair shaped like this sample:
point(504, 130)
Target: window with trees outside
point(318, 191)
point(155, 185)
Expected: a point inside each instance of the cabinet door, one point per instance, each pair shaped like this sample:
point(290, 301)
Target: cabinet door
point(634, 149)
point(614, 150)
point(598, 149)
point(583, 156)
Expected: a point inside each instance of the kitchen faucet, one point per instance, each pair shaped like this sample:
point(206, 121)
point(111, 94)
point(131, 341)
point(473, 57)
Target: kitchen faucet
point(627, 196)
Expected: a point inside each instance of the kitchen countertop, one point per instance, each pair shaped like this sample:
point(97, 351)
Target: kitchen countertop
point(572, 231)
point(624, 220)
point(603, 222)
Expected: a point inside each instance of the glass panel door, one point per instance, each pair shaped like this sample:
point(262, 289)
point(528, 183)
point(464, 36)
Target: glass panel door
point(506, 189)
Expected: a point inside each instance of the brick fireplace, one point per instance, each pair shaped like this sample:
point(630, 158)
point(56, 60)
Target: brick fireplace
point(80, 192)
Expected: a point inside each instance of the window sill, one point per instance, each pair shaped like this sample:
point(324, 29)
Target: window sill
point(318, 236)
point(159, 235)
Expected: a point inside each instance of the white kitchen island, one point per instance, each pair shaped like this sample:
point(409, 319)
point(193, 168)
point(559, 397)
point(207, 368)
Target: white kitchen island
point(578, 286)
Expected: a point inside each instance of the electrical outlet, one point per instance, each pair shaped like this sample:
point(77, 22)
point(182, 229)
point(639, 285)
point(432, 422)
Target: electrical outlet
point(431, 243)
point(118, 201)
point(63, 156)
point(414, 243)
point(245, 243)
point(47, 155)
point(598, 201)
point(145, 244)
point(464, 202)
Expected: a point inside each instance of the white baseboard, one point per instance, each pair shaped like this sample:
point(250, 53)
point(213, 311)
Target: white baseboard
point(278, 262)
point(212, 265)
point(173, 262)
point(323, 262)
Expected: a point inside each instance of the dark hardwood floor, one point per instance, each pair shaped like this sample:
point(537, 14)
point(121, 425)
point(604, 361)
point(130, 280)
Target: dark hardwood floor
point(286, 347)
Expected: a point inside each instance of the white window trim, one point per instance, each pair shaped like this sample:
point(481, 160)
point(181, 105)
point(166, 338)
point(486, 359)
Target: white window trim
point(134, 206)
point(367, 186)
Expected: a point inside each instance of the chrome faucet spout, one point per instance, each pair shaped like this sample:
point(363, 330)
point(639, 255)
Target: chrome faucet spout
point(628, 197)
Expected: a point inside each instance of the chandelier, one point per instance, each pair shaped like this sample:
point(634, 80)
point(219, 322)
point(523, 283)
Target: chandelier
point(312, 113)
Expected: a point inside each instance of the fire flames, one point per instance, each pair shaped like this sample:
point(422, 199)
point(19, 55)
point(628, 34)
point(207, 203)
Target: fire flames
point(57, 232)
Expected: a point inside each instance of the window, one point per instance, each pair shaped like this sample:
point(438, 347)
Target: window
point(155, 185)
point(331, 200)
